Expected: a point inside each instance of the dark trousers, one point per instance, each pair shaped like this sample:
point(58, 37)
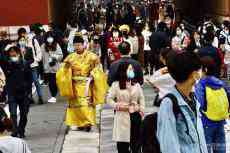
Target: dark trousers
point(149, 60)
point(123, 147)
point(23, 102)
point(51, 77)
point(135, 139)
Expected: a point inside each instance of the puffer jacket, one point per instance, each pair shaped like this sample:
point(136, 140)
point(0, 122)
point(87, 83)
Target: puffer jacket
point(214, 83)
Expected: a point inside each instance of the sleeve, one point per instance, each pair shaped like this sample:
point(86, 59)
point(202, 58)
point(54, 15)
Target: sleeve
point(29, 58)
point(38, 56)
point(141, 99)
point(58, 53)
point(112, 96)
point(112, 74)
point(166, 125)
point(200, 95)
point(139, 74)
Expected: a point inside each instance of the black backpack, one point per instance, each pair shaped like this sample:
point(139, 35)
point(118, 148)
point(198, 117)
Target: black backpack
point(150, 142)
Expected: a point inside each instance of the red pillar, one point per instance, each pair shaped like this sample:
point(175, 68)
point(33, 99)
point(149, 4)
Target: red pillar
point(23, 12)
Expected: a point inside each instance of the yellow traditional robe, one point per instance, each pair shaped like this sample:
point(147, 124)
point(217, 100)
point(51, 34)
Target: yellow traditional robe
point(79, 112)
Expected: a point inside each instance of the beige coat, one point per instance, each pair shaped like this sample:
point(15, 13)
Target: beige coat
point(133, 94)
point(2, 80)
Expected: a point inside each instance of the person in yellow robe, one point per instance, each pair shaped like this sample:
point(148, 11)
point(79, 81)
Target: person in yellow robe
point(88, 85)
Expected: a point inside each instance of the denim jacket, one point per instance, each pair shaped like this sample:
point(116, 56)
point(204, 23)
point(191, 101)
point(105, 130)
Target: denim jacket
point(172, 133)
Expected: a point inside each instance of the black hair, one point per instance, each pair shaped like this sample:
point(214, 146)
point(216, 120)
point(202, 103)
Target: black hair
point(162, 27)
point(78, 39)
point(21, 31)
point(208, 65)
point(208, 38)
point(124, 48)
point(164, 52)
point(181, 64)
point(14, 48)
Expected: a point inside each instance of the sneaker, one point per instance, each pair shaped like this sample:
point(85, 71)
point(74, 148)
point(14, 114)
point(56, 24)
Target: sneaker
point(52, 100)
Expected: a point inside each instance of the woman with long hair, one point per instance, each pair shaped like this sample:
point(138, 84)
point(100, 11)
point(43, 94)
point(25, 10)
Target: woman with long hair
point(127, 99)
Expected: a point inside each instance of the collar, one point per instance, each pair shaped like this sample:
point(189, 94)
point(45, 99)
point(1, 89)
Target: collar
point(125, 56)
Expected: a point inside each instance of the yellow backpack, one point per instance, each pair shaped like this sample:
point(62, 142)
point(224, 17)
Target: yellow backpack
point(217, 104)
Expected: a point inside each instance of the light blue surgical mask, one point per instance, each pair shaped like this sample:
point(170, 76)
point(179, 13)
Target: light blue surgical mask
point(50, 40)
point(14, 59)
point(22, 44)
point(130, 74)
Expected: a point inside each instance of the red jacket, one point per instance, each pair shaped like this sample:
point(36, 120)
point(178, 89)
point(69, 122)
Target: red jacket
point(113, 51)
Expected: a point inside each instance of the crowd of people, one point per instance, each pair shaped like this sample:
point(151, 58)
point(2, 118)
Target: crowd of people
point(104, 57)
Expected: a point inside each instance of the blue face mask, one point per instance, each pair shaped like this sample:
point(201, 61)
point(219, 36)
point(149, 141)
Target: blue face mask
point(130, 74)
point(22, 44)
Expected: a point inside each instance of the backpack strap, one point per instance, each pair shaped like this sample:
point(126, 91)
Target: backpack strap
point(33, 44)
point(177, 110)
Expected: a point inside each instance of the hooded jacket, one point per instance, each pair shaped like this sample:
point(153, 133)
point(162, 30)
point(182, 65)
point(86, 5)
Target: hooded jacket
point(200, 92)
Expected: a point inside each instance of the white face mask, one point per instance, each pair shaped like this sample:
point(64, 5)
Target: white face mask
point(14, 59)
point(115, 34)
point(50, 40)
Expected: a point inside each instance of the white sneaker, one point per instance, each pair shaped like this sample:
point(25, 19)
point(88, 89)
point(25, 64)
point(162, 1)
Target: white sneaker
point(52, 100)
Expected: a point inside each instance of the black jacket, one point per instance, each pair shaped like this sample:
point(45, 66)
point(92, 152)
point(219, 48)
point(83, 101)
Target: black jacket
point(159, 40)
point(139, 77)
point(19, 75)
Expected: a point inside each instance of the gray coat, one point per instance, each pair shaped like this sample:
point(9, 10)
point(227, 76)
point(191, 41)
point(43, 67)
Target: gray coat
point(47, 56)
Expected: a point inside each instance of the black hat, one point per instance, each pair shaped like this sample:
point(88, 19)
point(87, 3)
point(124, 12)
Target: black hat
point(78, 39)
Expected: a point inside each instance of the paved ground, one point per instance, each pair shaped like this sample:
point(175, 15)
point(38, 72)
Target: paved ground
point(45, 130)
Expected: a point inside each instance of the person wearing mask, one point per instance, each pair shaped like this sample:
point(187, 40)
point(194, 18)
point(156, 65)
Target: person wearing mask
point(210, 50)
point(124, 48)
point(127, 98)
point(180, 41)
point(95, 46)
point(161, 79)
point(159, 40)
point(195, 43)
point(52, 57)
point(9, 144)
point(19, 73)
point(147, 50)
point(83, 64)
point(226, 35)
point(212, 94)
point(181, 132)
point(135, 43)
point(112, 45)
point(31, 42)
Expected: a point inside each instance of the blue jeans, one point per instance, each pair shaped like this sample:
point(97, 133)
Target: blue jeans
point(215, 138)
point(35, 78)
